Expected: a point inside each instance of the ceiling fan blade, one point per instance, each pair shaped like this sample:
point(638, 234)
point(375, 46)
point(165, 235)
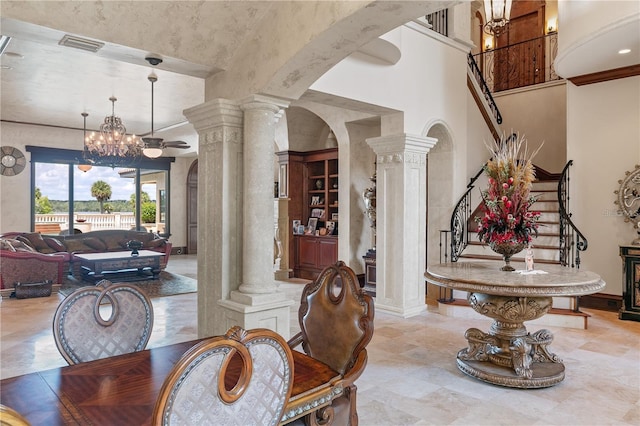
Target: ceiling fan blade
point(175, 143)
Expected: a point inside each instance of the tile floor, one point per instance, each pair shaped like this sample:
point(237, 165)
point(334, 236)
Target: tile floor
point(411, 377)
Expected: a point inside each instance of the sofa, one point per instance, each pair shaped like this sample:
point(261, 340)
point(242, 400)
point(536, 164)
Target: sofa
point(19, 262)
point(92, 242)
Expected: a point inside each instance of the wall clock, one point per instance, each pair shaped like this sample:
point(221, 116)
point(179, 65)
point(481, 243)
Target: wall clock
point(628, 200)
point(12, 161)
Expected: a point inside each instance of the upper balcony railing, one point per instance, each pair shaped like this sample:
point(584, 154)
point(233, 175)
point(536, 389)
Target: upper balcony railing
point(518, 65)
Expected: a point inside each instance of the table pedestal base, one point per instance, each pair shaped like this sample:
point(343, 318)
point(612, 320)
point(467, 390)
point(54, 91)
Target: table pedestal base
point(545, 374)
point(508, 355)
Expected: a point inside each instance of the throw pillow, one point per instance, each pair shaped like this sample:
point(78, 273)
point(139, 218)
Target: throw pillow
point(156, 243)
point(95, 243)
point(6, 245)
point(36, 241)
point(76, 246)
point(20, 246)
point(55, 244)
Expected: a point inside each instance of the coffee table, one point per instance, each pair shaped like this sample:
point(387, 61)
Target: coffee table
point(508, 355)
point(120, 264)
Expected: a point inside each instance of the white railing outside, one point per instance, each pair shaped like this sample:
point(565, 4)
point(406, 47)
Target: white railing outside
point(93, 221)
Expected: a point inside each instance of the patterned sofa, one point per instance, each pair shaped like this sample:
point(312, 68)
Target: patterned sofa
point(92, 242)
point(21, 263)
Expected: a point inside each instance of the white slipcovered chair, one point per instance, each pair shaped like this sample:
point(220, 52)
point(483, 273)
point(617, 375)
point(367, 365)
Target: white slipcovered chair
point(82, 333)
point(243, 378)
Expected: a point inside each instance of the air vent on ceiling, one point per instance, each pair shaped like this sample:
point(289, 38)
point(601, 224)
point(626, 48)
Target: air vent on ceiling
point(81, 43)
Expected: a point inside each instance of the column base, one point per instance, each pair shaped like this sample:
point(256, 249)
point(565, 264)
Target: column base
point(250, 311)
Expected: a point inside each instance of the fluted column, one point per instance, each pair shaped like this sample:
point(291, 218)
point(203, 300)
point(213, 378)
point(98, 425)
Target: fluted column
point(219, 126)
point(401, 213)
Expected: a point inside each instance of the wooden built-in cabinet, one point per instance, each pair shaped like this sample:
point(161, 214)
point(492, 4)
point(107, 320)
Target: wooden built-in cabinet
point(313, 254)
point(313, 192)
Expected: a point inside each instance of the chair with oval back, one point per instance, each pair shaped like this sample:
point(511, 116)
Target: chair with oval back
point(199, 391)
point(82, 333)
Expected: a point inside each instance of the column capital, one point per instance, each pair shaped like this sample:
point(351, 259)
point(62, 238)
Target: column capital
point(257, 101)
point(401, 142)
point(214, 113)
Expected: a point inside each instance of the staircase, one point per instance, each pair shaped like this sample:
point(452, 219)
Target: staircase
point(547, 249)
point(545, 245)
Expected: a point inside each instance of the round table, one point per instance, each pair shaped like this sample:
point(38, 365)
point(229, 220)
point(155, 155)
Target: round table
point(508, 355)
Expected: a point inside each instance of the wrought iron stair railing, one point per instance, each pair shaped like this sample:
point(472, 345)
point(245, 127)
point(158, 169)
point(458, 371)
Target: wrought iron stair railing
point(572, 241)
point(473, 65)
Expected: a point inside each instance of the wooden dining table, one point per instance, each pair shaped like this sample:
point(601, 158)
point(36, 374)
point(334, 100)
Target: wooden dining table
point(123, 389)
point(119, 390)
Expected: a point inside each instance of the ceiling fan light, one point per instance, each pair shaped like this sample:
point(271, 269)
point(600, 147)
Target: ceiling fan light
point(152, 152)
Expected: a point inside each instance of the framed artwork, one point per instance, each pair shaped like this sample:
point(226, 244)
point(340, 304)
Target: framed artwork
point(317, 213)
point(300, 229)
point(334, 216)
point(312, 225)
point(296, 227)
point(331, 226)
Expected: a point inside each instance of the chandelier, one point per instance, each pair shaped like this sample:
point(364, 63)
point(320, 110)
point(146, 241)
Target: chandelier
point(497, 13)
point(112, 146)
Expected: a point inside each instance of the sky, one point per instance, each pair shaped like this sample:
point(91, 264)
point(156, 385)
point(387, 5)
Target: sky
point(53, 181)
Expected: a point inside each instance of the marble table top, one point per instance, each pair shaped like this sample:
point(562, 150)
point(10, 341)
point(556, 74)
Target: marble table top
point(487, 278)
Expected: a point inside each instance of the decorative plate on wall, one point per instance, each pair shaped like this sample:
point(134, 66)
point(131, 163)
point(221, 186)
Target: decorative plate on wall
point(629, 196)
point(12, 161)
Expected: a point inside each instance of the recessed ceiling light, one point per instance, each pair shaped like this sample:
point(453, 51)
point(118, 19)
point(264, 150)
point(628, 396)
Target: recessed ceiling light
point(13, 55)
point(624, 51)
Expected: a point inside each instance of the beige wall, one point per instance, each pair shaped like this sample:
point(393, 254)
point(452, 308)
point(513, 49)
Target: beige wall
point(603, 140)
point(539, 113)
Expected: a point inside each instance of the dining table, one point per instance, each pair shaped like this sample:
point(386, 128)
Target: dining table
point(123, 389)
point(119, 390)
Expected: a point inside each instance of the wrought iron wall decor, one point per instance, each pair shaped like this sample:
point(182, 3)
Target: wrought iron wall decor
point(628, 197)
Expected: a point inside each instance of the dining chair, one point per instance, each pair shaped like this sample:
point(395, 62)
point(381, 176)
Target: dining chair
point(336, 325)
point(101, 321)
point(10, 417)
point(199, 391)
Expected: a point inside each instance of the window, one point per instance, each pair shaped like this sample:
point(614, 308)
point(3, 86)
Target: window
point(100, 198)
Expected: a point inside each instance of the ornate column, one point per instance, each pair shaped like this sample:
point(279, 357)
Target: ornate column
point(219, 126)
point(401, 222)
point(257, 302)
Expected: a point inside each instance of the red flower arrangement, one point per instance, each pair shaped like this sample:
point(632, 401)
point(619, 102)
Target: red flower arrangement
point(506, 216)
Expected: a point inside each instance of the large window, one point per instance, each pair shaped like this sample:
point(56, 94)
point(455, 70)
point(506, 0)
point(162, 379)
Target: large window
point(99, 198)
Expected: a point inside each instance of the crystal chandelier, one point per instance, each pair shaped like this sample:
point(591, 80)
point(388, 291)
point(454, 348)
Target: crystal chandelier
point(497, 13)
point(112, 146)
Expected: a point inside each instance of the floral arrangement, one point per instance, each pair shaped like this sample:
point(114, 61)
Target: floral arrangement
point(507, 217)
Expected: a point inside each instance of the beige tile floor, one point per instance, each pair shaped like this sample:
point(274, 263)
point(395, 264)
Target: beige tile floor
point(411, 377)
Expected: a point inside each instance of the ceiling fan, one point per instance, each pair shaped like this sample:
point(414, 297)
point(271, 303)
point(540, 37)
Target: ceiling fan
point(153, 146)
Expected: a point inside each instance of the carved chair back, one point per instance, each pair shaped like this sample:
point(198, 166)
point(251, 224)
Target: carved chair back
point(195, 392)
point(82, 333)
point(336, 318)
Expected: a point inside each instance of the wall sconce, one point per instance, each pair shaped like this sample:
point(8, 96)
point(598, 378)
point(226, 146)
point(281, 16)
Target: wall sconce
point(488, 43)
point(552, 25)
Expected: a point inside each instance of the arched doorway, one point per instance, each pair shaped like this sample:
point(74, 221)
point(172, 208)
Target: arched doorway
point(439, 196)
point(192, 209)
